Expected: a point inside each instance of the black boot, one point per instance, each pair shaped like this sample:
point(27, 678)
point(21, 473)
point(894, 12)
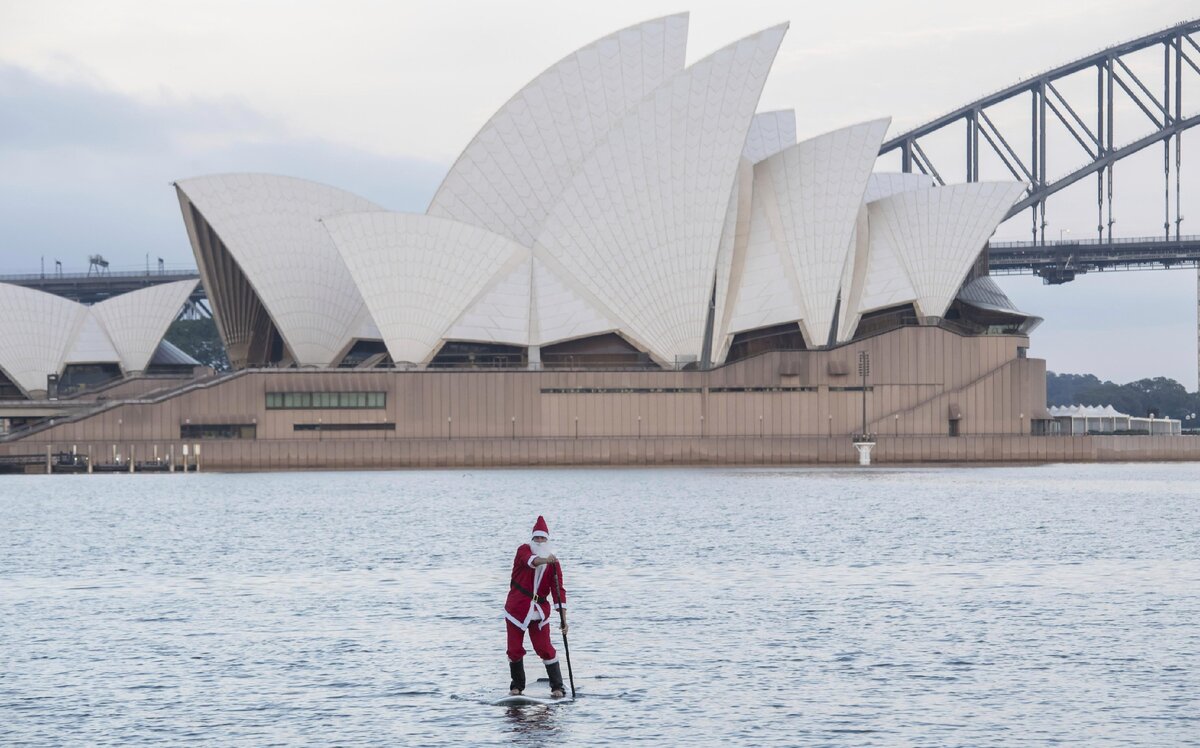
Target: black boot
point(554, 670)
point(517, 671)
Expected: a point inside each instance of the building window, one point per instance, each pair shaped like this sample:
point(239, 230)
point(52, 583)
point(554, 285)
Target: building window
point(297, 400)
point(869, 388)
point(325, 400)
point(344, 426)
point(763, 389)
point(218, 431)
point(954, 427)
point(619, 390)
point(1022, 352)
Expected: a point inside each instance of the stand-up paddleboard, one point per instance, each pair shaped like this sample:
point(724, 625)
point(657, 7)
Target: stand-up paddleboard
point(524, 700)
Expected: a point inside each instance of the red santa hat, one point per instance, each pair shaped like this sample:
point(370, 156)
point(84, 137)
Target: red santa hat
point(540, 528)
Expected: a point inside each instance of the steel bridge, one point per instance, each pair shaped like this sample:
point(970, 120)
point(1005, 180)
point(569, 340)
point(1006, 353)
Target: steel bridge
point(91, 287)
point(1060, 261)
point(1049, 110)
point(987, 129)
point(1089, 122)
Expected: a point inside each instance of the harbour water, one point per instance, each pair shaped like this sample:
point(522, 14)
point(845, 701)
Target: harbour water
point(893, 606)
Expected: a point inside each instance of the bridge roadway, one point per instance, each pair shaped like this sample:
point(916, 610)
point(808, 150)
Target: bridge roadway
point(1054, 262)
point(1059, 262)
point(88, 288)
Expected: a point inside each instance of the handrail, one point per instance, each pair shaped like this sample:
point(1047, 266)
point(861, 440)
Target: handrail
point(14, 434)
point(1094, 242)
point(182, 273)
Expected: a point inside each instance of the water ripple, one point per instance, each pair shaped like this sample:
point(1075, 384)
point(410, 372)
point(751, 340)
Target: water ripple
point(931, 606)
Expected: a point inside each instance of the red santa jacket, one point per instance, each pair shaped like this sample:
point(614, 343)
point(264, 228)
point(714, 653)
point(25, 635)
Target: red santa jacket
point(532, 584)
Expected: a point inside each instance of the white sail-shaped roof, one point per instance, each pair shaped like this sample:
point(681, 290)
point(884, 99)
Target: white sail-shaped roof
point(561, 309)
point(807, 200)
point(168, 354)
point(731, 255)
point(883, 184)
point(885, 283)
point(269, 225)
point(880, 280)
point(138, 320)
point(501, 312)
point(936, 234)
point(91, 344)
point(419, 273)
point(766, 288)
point(854, 275)
point(512, 173)
point(36, 331)
point(531, 304)
point(640, 223)
point(770, 133)
point(879, 186)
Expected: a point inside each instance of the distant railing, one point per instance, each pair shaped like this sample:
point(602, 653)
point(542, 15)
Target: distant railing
point(868, 328)
point(551, 362)
point(182, 272)
point(388, 435)
point(1094, 242)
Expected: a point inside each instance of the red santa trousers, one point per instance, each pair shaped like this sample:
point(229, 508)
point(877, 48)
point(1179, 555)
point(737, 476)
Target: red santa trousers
point(539, 637)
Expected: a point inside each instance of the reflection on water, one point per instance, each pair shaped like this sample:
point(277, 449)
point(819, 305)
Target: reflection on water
point(708, 606)
point(533, 721)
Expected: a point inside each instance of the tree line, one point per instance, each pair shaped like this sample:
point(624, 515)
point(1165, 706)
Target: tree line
point(1161, 396)
point(199, 339)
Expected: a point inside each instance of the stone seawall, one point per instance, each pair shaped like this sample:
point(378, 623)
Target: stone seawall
point(352, 454)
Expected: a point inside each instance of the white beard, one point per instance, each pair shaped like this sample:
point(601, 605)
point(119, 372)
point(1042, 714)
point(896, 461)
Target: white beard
point(541, 550)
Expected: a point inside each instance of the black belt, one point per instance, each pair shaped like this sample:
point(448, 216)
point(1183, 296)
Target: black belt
point(525, 592)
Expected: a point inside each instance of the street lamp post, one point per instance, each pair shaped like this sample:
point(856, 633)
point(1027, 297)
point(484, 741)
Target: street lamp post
point(864, 368)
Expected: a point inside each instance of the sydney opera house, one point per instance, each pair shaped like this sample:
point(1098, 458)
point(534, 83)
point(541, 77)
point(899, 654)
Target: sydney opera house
point(628, 251)
point(52, 345)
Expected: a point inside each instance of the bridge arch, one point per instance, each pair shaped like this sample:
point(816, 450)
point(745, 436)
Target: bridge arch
point(1116, 82)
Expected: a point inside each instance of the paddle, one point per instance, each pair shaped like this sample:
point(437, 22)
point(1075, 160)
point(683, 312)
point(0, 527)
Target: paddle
point(562, 619)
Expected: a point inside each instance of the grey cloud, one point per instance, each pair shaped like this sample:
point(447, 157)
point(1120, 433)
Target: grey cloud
point(83, 169)
point(1121, 326)
point(40, 113)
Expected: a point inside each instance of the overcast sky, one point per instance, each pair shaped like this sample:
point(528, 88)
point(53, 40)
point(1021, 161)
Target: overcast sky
point(102, 105)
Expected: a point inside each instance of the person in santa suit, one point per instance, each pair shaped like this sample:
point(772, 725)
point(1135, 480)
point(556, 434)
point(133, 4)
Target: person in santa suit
point(536, 576)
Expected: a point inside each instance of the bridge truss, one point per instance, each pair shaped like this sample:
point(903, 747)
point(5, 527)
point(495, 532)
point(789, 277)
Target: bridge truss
point(91, 287)
point(1050, 112)
point(1116, 84)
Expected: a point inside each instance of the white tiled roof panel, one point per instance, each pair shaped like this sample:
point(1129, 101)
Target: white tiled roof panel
point(770, 133)
point(36, 332)
point(270, 225)
point(640, 224)
point(418, 273)
point(511, 174)
point(138, 320)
